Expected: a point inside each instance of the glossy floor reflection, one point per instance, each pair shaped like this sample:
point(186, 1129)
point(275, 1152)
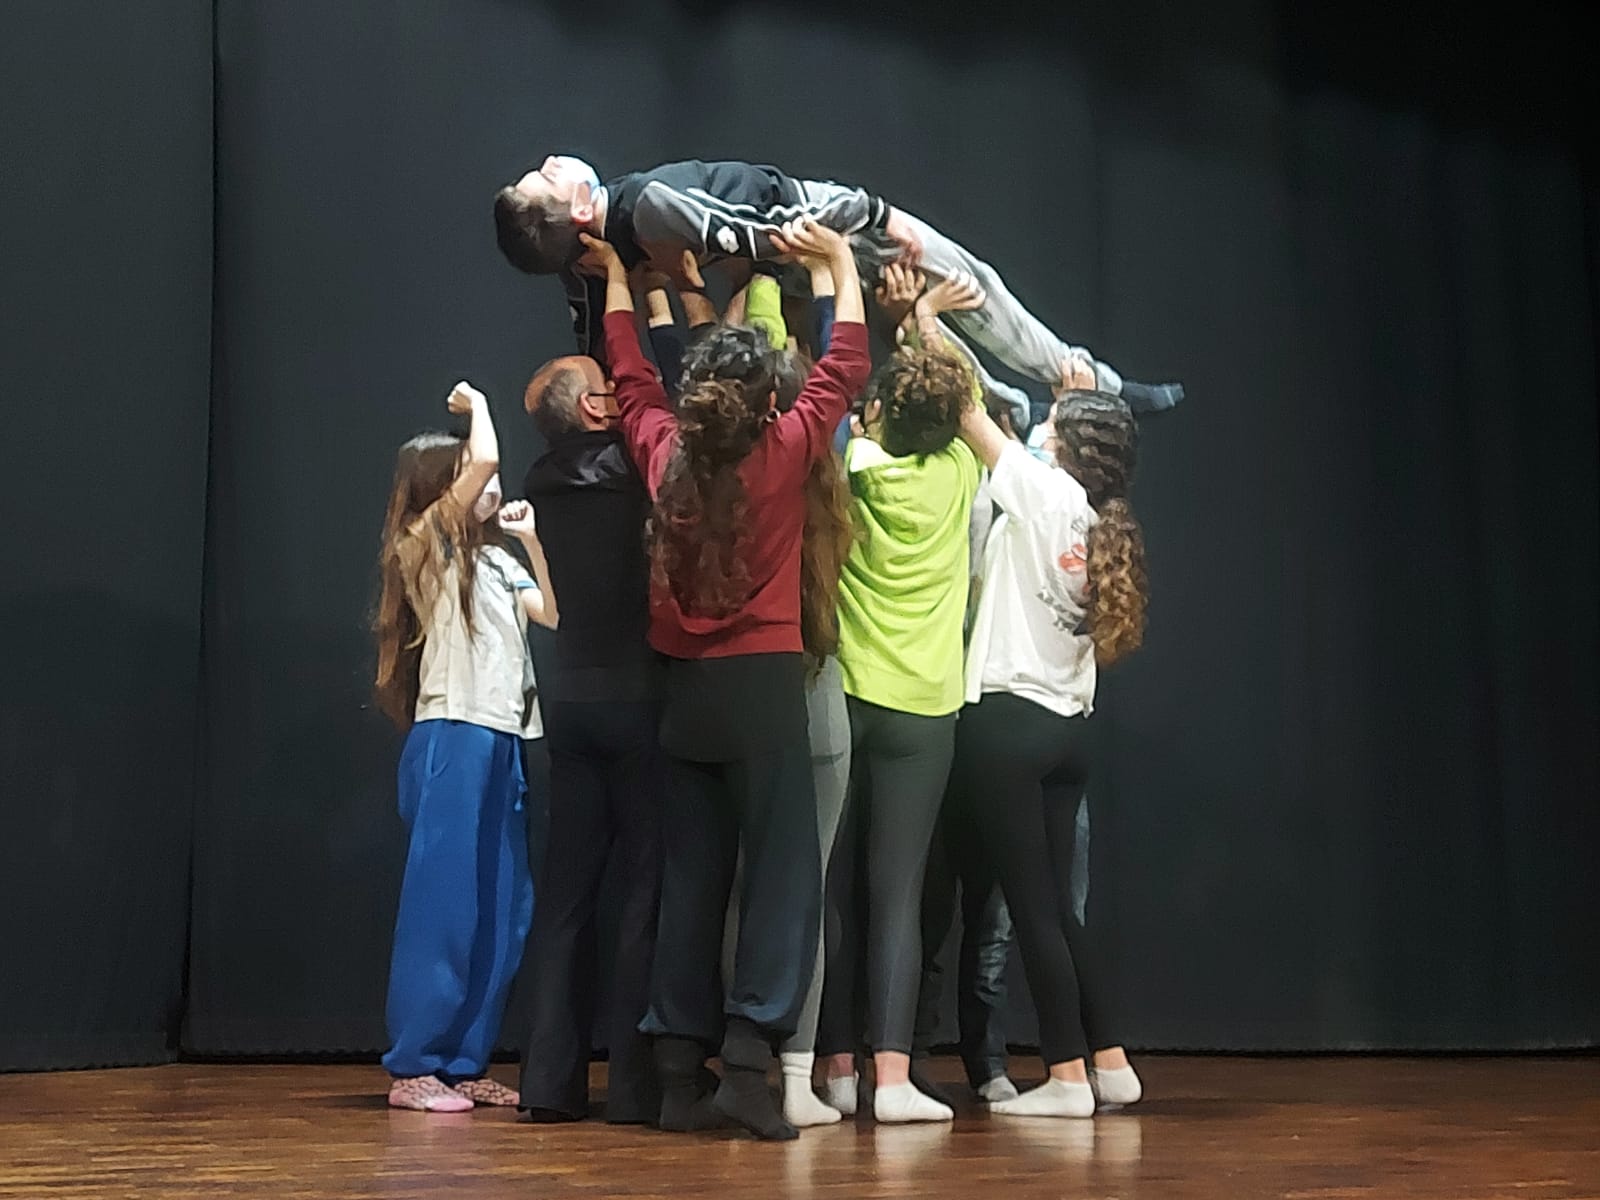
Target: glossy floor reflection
point(1230, 1128)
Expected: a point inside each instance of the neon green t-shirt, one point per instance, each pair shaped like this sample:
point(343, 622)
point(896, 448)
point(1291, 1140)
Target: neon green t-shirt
point(903, 590)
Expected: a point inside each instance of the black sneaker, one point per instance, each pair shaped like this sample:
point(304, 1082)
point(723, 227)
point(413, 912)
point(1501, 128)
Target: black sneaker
point(1146, 398)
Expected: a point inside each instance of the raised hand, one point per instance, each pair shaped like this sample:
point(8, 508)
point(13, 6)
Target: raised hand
point(517, 518)
point(811, 243)
point(600, 258)
point(903, 234)
point(899, 291)
point(689, 276)
point(1077, 373)
point(959, 293)
point(462, 398)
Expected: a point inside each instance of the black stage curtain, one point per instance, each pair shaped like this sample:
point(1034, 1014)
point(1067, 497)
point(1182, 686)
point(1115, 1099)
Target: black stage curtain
point(1348, 794)
point(105, 272)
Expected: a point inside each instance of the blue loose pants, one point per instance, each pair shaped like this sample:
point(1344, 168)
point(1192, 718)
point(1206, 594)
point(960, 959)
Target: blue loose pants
point(466, 900)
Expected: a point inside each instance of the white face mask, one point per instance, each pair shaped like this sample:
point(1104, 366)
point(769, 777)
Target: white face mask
point(580, 171)
point(489, 501)
point(1037, 437)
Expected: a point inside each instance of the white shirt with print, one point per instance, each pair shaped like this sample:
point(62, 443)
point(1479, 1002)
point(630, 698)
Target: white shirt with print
point(1032, 589)
point(482, 678)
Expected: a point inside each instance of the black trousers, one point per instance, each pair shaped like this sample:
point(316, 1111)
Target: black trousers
point(899, 765)
point(607, 780)
point(740, 771)
point(957, 863)
point(1022, 770)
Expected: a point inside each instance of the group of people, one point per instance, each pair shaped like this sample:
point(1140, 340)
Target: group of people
point(825, 653)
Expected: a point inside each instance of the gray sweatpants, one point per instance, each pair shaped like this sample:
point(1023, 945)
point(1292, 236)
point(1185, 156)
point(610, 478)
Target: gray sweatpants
point(830, 770)
point(1003, 327)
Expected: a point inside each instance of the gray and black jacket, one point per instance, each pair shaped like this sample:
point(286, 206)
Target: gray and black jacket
point(715, 209)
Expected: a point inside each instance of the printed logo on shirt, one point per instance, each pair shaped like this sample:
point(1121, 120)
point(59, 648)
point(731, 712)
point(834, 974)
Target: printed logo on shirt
point(1064, 596)
point(1061, 615)
point(727, 239)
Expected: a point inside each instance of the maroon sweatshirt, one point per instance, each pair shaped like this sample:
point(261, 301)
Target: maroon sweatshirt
point(774, 476)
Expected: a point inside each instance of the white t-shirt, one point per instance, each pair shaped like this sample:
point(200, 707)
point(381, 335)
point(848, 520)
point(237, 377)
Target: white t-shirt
point(1032, 589)
point(482, 679)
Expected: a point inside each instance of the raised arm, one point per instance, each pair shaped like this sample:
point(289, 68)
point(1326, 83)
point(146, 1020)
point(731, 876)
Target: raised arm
point(842, 372)
point(648, 425)
point(823, 304)
point(539, 603)
point(482, 457)
point(959, 293)
point(980, 432)
point(661, 324)
point(698, 310)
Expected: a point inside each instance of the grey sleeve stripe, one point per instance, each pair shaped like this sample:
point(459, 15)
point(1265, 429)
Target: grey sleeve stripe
point(843, 209)
point(688, 214)
point(866, 209)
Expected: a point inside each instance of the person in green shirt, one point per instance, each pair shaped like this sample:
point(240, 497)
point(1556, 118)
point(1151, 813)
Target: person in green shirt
point(902, 597)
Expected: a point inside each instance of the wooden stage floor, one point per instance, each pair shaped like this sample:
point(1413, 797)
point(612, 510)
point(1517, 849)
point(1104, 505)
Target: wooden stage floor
point(1233, 1128)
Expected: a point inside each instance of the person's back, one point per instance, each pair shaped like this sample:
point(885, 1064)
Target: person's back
point(774, 524)
point(902, 597)
point(606, 770)
point(728, 476)
point(1063, 586)
point(765, 619)
point(903, 590)
point(592, 508)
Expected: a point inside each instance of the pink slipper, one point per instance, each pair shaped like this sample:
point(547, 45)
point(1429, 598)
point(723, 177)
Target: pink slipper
point(487, 1091)
point(424, 1093)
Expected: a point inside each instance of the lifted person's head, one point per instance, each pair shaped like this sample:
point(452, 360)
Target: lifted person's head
point(537, 219)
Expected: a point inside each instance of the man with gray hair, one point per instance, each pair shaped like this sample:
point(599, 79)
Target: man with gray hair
point(601, 709)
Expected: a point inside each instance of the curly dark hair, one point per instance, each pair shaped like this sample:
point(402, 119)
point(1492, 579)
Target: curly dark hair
point(737, 352)
point(923, 393)
point(1098, 445)
point(695, 531)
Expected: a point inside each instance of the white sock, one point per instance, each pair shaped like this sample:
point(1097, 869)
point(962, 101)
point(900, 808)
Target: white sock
point(1120, 1086)
point(903, 1102)
point(1052, 1098)
point(840, 1092)
point(801, 1107)
point(998, 1088)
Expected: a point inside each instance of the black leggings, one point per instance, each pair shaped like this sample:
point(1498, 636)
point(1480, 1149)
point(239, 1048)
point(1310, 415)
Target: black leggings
point(1022, 771)
point(957, 860)
point(900, 764)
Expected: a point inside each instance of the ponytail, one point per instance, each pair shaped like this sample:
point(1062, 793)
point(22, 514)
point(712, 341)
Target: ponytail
point(1099, 444)
point(1118, 584)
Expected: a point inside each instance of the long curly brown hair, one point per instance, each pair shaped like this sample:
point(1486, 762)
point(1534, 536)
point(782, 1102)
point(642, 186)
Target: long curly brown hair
point(412, 564)
point(1098, 444)
point(923, 393)
point(829, 531)
point(696, 529)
